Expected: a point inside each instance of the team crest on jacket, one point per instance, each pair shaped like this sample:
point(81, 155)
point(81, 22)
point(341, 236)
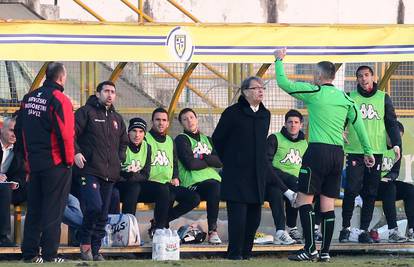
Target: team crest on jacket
point(115, 125)
point(293, 157)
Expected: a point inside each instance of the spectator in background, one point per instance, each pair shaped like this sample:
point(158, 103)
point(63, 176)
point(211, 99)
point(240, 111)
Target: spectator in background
point(11, 170)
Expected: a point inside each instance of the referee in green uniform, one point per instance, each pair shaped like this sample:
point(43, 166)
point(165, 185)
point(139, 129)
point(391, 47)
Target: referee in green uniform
point(320, 174)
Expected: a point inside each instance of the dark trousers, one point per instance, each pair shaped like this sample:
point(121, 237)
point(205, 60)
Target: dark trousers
point(209, 190)
point(47, 196)
point(283, 213)
point(147, 192)
point(389, 192)
point(187, 200)
point(5, 200)
point(363, 181)
point(243, 221)
point(95, 198)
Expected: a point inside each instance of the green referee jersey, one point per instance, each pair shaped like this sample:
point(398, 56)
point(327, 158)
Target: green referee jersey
point(328, 109)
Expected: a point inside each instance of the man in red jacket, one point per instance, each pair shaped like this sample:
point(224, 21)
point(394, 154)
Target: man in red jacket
point(45, 130)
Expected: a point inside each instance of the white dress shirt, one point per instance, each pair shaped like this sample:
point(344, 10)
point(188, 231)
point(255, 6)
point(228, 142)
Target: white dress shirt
point(7, 157)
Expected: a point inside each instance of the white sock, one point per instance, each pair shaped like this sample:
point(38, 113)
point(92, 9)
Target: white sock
point(289, 194)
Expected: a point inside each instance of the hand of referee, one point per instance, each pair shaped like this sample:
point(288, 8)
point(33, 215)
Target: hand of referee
point(369, 160)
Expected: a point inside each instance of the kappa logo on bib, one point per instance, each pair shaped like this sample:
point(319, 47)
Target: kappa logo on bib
point(161, 159)
point(201, 148)
point(135, 166)
point(387, 164)
point(368, 112)
point(293, 157)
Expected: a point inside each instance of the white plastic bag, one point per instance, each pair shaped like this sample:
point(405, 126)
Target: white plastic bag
point(124, 231)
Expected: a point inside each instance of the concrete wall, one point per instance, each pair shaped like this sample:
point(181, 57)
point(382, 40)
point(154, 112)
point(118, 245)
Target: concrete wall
point(258, 11)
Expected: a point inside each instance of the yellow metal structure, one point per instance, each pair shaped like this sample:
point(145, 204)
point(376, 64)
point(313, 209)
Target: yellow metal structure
point(261, 72)
point(179, 89)
point(387, 75)
point(183, 10)
point(137, 10)
point(39, 77)
point(190, 86)
point(89, 10)
point(117, 71)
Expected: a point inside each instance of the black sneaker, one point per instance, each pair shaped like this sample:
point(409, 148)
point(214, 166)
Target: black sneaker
point(86, 253)
point(303, 255)
point(6, 242)
point(98, 257)
point(365, 238)
point(344, 235)
point(324, 257)
point(35, 259)
point(55, 260)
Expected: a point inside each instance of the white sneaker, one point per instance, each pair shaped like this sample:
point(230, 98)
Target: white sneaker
point(283, 238)
point(262, 239)
point(213, 238)
point(295, 234)
point(354, 235)
point(394, 236)
point(358, 202)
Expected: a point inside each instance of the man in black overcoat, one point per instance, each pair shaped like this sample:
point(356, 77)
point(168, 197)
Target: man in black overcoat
point(240, 141)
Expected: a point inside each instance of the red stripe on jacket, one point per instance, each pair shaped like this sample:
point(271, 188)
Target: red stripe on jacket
point(63, 130)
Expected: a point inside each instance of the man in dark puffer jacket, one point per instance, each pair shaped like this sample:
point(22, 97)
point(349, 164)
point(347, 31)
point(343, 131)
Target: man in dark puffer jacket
point(101, 142)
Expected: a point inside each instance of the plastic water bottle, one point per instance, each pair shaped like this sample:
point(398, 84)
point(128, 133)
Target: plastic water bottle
point(176, 239)
point(107, 240)
point(157, 246)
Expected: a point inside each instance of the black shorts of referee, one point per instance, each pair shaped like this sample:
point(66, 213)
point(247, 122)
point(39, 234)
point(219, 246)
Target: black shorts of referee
point(321, 170)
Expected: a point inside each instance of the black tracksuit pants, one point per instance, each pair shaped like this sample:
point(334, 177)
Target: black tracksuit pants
point(163, 195)
point(243, 221)
point(47, 196)
point(280, 204)
point(389, 192)
point(187, 200)
point(5, 201)
point(95, 198)
point(147, 192)
point(209, 190)
point(363, 181)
